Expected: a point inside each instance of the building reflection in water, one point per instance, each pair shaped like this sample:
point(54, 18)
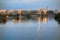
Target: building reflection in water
point(39, 20)
point(15, 20)
point(3, 20)
point(44, 19)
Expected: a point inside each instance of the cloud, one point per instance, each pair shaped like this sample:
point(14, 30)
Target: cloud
point(21, 1)
point(13, 1)
point(29, 1)
point(33, 1)
point(24, 1)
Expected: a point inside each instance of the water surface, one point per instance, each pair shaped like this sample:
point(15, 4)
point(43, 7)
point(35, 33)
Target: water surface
point(38, 28)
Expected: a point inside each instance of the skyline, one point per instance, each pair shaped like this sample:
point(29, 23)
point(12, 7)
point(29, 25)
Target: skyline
point(29, 4)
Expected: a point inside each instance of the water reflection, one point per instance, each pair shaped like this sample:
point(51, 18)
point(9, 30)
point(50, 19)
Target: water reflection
point(3, 20)
point(15, 20)
point(57, 17)
point(35, 28)
point(38, 19)
point(58, 21)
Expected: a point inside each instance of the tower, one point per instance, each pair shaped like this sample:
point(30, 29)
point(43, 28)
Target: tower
point(47, 8)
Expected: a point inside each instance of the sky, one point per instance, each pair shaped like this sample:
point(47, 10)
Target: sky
point(29, 4)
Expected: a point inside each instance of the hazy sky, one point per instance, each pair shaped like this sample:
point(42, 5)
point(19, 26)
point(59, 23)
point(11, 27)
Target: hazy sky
point(29, 4)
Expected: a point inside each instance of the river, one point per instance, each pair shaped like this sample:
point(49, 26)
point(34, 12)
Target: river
point(38, 28)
